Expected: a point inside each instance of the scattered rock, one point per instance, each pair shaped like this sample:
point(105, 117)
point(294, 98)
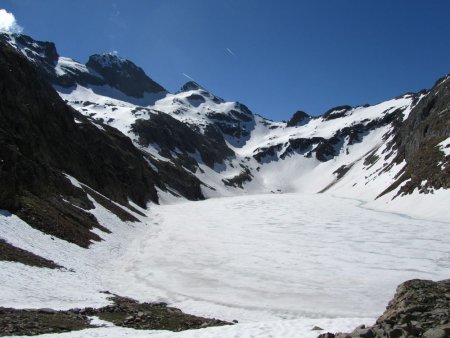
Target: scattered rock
point(327, 335)
point(31, 322)
point(124, 312)
point(151, 316)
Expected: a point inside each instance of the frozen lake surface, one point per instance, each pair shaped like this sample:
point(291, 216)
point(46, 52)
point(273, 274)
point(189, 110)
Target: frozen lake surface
point(288, 255)
point(278, 263)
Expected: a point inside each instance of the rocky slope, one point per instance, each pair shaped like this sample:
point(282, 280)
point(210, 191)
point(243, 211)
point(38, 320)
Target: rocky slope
point(42, 140)
point(418, 138)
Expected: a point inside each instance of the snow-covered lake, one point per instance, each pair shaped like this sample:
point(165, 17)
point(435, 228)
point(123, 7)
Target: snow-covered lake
point(293, 260)
point(290, 255)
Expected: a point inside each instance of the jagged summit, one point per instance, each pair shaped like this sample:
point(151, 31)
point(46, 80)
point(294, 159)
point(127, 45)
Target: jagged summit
point(31, 48)
point(100, 70)
point(108, 59)
point(42, 54)
point(123, 74)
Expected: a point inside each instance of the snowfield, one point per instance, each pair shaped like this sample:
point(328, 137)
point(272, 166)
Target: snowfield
point(280, 264)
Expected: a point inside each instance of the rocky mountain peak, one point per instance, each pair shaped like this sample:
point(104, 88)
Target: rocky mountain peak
point(191, 85)
point(36, 51)
point(42, 54)
point(123, 74)
point(109, 60)
point(299, 118)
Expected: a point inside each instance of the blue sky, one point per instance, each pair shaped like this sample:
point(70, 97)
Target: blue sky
point(275, 56)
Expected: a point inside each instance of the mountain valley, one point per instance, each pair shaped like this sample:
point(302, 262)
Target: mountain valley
point(110, 184)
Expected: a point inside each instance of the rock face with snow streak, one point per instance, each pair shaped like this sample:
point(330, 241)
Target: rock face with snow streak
point(418, 140)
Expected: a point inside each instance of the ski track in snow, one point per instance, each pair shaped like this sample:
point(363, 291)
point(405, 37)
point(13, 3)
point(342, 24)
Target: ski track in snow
point(278, 263)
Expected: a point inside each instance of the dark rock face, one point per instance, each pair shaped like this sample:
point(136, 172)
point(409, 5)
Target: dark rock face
point(420, 308)
point(237, 124)
point(173, 136)
point(40, 142)
point(299, 118)
point(325, 149)
point(416, 139)
point(238, 180)
point(123, 75)
point(267, 154)
point(429, 120)
point(9, 252)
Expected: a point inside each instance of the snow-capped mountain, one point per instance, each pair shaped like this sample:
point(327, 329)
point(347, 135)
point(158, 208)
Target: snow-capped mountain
point(87, 151)
point(353, 151)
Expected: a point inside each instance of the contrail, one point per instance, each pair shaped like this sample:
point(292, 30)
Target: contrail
point(190, 78)
point(230, 51)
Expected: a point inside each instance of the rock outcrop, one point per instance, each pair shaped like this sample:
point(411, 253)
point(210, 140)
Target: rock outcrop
point(420, 308)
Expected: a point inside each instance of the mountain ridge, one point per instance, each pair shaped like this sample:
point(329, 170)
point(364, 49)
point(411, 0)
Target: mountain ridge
point(231, 150)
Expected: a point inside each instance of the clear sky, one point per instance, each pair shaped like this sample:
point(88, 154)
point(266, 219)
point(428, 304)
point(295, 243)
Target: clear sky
point(274, 56)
